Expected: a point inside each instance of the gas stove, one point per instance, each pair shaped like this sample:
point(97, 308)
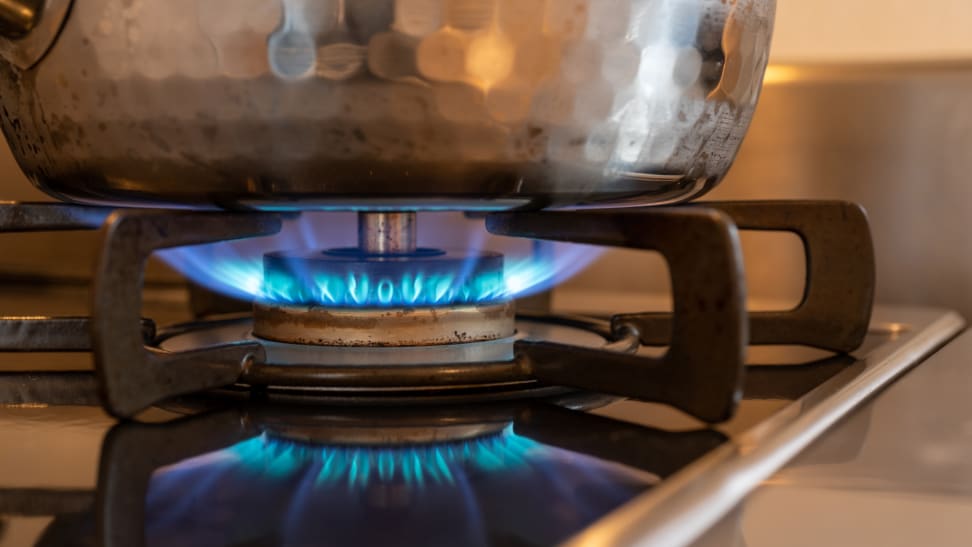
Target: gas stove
point(393, 392)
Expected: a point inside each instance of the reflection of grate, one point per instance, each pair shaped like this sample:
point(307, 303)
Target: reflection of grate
point(34, 502)
point(701, 374)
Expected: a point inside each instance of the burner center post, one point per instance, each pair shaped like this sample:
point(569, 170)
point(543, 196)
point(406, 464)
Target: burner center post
point(387, 233)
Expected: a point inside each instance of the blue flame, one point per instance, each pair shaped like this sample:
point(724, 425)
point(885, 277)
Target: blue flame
point(411, 289)
point(358, 466)
point(235, 268)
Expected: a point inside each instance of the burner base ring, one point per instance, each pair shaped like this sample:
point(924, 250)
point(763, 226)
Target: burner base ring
point(408, 327)
point(380, 376)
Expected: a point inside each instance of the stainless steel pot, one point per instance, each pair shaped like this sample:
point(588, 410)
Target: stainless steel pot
point(410, 104)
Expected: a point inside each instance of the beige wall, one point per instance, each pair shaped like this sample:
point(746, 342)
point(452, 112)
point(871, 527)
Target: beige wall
point(829, 30)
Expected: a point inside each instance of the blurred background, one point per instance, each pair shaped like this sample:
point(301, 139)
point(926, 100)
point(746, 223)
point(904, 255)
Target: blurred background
point(869, 100)
point(872, 30)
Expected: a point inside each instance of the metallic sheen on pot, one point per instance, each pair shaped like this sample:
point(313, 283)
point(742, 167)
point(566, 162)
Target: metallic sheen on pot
point(382, 104)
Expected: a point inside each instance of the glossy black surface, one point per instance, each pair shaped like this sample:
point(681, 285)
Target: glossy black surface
point(210, 471)
point(259, 474)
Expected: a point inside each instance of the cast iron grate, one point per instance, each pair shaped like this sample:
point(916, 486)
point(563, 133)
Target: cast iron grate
point(702, 372)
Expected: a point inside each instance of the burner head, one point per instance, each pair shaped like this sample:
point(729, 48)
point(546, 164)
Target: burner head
point(323, 326)
point(350, 297)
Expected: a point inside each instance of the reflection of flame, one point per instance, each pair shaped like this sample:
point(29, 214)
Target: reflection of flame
point(359, 466)
point(502, 488)
point(235, 268)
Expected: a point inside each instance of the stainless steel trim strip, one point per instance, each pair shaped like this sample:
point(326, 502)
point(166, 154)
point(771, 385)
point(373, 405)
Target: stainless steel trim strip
point(686, 505)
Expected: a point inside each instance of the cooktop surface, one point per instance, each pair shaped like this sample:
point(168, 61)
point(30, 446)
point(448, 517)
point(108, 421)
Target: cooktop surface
point(208, 470)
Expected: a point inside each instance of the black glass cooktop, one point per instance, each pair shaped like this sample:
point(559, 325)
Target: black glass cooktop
point(215, 471)
point(210, 473)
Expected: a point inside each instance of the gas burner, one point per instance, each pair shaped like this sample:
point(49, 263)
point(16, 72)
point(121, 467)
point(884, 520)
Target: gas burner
point(385, 292)
point(700, 373)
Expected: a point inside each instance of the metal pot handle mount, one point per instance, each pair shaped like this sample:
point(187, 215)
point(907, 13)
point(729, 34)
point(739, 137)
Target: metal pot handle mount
point(28, 29)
